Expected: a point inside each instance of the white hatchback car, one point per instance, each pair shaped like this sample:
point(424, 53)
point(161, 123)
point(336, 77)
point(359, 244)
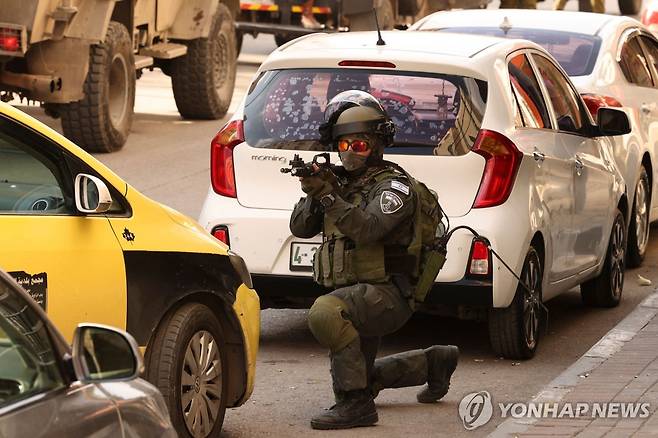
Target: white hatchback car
point(613, 61)
point(494, 126)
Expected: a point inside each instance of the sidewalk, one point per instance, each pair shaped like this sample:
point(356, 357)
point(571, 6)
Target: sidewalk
point(621, 368)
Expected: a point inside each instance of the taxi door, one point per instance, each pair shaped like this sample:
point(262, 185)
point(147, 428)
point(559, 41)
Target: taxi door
point(71, 264)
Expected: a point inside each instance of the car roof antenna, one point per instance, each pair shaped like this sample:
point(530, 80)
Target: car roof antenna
point(505, 26)
point(380, 41)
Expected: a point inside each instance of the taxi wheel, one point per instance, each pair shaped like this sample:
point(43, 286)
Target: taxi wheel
point(606, 289)
point(187, 362)
point(514, 331)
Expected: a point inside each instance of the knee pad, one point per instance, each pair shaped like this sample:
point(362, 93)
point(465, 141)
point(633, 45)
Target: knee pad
point(326, 322)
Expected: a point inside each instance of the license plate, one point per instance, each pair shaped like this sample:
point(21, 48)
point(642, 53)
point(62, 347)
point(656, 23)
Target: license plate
point(301, 256)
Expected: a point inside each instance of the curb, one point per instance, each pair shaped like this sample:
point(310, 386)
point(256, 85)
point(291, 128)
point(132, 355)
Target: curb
point(605, 348)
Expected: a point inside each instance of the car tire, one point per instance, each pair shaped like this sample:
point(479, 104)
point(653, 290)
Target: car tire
point(366, 21)
point(203, 79)
point(171, 360)
point(638, 229)
point(606, 289)
point(514, 331)
point(101, 121)
point(630, 7)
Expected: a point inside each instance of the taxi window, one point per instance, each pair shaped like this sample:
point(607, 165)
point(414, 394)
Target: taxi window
point(31, 182)
point(527, 92)
point(28, 361)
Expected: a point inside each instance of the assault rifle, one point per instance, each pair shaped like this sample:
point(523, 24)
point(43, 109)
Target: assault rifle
point(302, 169)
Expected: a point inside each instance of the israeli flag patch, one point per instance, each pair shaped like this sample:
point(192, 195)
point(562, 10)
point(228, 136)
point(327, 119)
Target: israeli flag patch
point(390, 202)
point(400, 187)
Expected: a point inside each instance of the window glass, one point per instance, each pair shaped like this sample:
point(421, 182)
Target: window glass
point(434, 114)
point(651, 50)
point(567, 110)
point(30, 180)
point(528, 93)
point(634, 65)
point(28, 364)
point(576, 52)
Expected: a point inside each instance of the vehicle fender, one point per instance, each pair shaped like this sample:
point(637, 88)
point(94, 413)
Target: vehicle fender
point(193, 20)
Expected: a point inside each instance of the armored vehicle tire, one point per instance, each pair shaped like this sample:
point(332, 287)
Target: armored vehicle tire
point(638, 229)
point(188, 363)
point(366, 21)
point(101, 121)
point(203, 79)
point(605, 290)
point(630, 7)
point(514, 330)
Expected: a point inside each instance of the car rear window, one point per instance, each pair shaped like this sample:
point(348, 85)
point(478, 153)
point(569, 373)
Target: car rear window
point(434, 114)
point(576, 52)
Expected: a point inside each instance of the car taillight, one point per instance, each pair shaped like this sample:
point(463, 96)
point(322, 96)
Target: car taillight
point(369, 64)
point(650, 15)
point(220, 232)
point(596, 101)
point(479, 260)
point(222, 173)
point(10, 39)
point(502, 163)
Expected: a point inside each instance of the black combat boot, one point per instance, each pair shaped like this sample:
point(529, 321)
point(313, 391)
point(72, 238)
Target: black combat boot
point(441, 363)
point(352, 409)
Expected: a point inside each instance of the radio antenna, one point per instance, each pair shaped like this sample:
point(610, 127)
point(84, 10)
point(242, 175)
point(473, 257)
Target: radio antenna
point(380, 41)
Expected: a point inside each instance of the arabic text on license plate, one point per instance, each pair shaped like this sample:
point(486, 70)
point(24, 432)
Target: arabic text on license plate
point(301, 256)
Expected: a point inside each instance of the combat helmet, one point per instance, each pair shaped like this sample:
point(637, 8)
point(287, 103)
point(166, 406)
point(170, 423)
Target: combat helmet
point(357, 112)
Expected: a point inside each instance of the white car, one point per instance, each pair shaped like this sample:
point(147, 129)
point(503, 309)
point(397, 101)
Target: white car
point(494, 126)
point(613, 58)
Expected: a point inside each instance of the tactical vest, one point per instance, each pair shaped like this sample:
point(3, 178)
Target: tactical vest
point(339, 262)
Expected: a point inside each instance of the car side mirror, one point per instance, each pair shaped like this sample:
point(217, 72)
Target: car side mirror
point(612, 122)
point(102, 354)
point(91, 194)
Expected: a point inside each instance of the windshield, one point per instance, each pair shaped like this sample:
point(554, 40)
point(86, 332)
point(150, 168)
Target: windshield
point(434, 114)
point(576, 52)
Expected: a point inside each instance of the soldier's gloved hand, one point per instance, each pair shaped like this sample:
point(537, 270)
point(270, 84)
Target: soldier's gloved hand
point(315, 186)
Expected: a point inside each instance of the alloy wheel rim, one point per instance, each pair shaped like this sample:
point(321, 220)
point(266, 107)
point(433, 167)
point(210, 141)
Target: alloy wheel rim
point(220, 67)
point(201, 383)
point(531, 302)
point(617, 253)
point(641, 216)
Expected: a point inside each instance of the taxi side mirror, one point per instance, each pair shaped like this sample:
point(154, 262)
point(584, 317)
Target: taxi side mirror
point(104, 354)
point(91, 194)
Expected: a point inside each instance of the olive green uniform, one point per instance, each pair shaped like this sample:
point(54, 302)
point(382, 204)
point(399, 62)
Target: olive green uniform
point(365, 234)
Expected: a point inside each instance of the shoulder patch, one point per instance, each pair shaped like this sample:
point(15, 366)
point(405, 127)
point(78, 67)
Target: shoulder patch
point(390, 202)
point(400, 187)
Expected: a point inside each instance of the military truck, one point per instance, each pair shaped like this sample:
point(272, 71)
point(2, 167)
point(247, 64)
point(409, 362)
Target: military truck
point(283, 17)
point(80, 59)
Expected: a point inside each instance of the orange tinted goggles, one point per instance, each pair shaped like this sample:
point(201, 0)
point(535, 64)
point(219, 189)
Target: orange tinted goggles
point(355, 145)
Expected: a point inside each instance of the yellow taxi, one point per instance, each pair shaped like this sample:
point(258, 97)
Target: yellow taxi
point(89, 247)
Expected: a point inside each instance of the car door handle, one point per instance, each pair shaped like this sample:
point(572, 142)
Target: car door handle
point(579, 166)
point(538, 156)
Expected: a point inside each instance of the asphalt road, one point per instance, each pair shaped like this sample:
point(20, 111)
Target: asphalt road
point(167, 158)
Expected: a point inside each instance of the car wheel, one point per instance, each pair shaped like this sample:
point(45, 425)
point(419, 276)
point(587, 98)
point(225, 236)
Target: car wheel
point(606, 289)
point(203, 79)
point(101, 121)
point(638, 229)
point(187, 362)
point(514, 331)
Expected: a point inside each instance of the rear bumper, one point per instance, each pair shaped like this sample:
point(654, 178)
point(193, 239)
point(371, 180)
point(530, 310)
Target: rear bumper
point(279, 290)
